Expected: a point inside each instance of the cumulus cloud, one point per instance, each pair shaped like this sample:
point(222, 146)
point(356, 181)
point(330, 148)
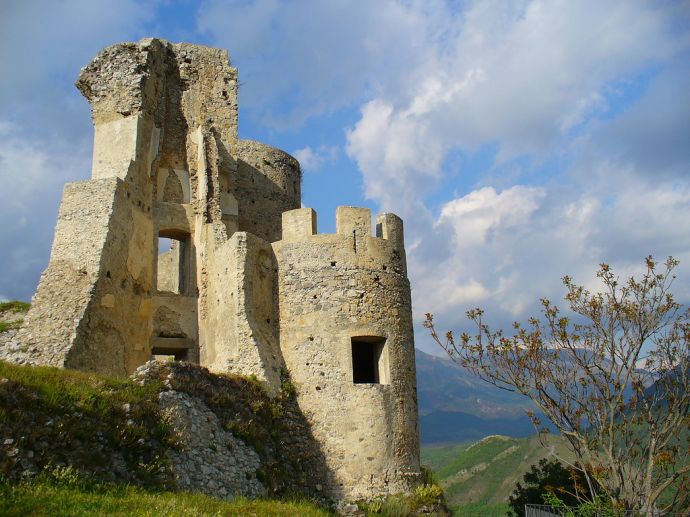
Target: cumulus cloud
point(301, 59)
point(477, 215)
point(583, 104)
point(522, 75)
point(511, 247)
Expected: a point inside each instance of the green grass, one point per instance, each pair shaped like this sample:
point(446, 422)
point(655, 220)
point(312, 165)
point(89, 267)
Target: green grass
point(92, 416)
point(481, 510)
point(14, 306)
point(46, 499)
point(437, 457)
point(59, 389)
point(403, 505)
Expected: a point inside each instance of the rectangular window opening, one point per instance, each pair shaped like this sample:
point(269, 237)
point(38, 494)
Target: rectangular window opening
point(369, 360)
point(173, 265)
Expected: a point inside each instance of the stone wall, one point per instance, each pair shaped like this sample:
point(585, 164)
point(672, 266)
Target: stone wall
point(167, 163)
point(268, 182)
point(240, 334)
point(211, 460)
point(234, 438)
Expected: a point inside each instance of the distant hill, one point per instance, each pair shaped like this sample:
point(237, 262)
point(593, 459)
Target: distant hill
point(478, 477)
point(456, 406)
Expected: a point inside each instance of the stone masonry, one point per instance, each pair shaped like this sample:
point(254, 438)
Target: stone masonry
point(190, 243)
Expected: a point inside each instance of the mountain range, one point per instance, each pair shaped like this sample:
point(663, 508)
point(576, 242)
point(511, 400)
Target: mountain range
point(456, 406)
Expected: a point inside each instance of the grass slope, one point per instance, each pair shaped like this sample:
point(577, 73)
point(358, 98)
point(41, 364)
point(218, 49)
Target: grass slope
point(478, 478)
point(46, 499)
point(62, 431)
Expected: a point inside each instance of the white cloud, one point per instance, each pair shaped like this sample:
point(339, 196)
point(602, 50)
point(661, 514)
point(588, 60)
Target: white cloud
point(299, 59)
point(313, 160)
point(521, 75)
point(480, 213)
point(511, 247)
point(543, 82)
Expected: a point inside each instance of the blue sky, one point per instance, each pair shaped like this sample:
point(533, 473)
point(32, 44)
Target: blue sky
point(520, 141)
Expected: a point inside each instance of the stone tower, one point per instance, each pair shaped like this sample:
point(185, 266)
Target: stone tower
point(189, 242)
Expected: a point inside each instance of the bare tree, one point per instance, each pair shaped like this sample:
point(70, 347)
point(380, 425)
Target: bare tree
point(613, 378)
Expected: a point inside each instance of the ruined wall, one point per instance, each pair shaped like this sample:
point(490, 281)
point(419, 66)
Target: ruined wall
point(101, 273)
point(333, 288)
point(241, 335)
point(249, 287)
point(165, 127)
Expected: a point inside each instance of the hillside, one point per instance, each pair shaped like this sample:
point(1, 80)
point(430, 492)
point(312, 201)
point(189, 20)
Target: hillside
point(478, 477)
point(173, 425)
point(445, 386)
point(83, 444)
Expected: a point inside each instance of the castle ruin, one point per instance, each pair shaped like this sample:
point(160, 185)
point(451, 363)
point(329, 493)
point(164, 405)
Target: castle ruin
point(189, 242)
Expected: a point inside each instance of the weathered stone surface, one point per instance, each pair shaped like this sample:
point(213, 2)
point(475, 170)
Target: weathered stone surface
point(248, 285)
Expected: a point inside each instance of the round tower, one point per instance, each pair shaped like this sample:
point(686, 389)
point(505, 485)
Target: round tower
point(347, 340)
point(266, 184)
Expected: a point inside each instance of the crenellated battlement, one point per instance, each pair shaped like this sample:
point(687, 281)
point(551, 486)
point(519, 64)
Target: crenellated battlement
point(350, 221)
point(352, 246)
